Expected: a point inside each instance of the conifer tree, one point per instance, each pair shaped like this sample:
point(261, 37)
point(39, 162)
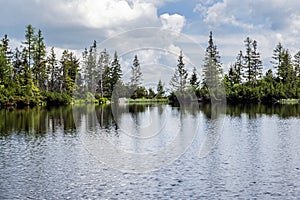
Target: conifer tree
point(178, 82)
point(116, 72)
point(90, 67)
point(212, 65)
point(296, 63)
point(160, 90)
point(104, 73)
point(136, 74)
point(194, 81)
point(277, 57)
point(29, 44)
point(53, 71)
point(252, 62)
point(70, 66)
point(39, 61)
point(256, 63)
point(6, 72)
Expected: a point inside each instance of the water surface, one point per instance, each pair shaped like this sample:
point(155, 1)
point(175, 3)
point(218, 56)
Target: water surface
point(49, 153)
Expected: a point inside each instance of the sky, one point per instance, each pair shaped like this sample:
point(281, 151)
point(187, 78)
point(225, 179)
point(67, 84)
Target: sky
point(156, 30)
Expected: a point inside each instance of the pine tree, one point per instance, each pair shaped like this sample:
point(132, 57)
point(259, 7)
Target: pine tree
point(104, 72)
point(256, 63)
point(53, 71)
point(285, 69)
point(178, 82)
point(160, 90)
point(296, 63)
point(18, 68)
point(194, 81)
point(252, 62)
point(277, 57)
point(29, 44)
point(116, 72)
point(7, 51)
point(248, 72)
point(6, 72)
point(70, 66)
point(3, 68)
point(25, 78)
point(90, 67)
point(136, 74)
point(212, 66)
point(235, 70)
point(39, 61)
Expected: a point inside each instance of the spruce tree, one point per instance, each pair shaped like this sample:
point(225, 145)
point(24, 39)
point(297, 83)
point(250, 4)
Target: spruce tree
point(70, 66)
point(6, 72)
point(277, 57)
point(136, 74)
point(296, 63)
point(194, 81)
point(39, 61)
point(178, 82)
point(6, 49)
point(252, 62)
point(116, 73)
point(235, 71)
point(104, 73)
point(29, 44)
point(90, 67)
point(17, 65)
point(248, 72)
point(53, 71)
point(212, 65)
point(285, 69)
point(256, 63)
point(160, 90)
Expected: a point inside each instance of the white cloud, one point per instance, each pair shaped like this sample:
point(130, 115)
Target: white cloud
point(173, 22)
point(101, 14)
point(222, 13)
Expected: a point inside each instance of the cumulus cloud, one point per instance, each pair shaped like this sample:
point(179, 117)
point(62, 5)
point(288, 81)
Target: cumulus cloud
point(173, 22)
point(267, 21)
point(248, 14)
point(106, 15)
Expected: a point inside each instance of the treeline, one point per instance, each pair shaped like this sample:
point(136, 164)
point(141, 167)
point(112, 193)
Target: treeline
point(30, 76)
point(245, 81)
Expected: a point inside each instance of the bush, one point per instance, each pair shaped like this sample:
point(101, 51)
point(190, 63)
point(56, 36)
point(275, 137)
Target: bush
point(56, 99)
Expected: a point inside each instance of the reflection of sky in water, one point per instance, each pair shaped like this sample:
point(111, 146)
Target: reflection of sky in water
point(257, 156)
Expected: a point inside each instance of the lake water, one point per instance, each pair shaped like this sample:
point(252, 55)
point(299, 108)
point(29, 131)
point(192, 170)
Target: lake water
point(150, 152)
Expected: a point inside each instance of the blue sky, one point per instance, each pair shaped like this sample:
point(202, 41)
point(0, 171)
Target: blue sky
point(74, 24)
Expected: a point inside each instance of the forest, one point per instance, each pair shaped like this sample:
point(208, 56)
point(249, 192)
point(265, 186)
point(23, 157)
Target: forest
point(29, 75)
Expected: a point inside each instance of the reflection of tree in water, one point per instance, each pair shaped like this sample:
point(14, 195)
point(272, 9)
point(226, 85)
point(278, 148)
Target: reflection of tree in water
point(104, 116)
point(137, 108)
point(36, 121)
point(254, 110)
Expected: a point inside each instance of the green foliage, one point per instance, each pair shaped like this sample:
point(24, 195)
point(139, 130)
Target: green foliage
point(160, 90)
point(212, 65)
point(28, 77)
point(116, 72)
point(70, 66)
point(179, 79)
point(194, 81)
point(136, 74)
point(56, 98)
point(139, 92)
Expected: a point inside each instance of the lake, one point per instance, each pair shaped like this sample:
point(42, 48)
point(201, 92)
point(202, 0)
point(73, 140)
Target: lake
point(150, 152)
